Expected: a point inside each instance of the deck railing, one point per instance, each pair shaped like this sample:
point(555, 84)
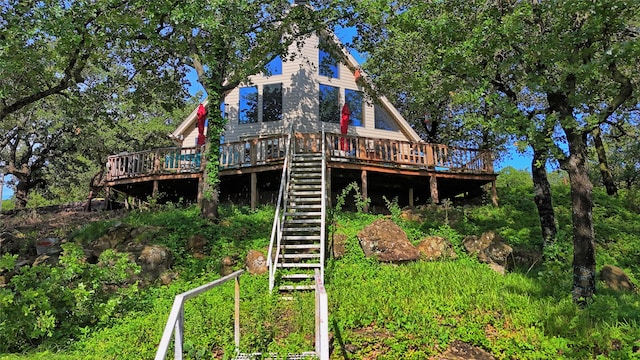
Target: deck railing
point(270, 149)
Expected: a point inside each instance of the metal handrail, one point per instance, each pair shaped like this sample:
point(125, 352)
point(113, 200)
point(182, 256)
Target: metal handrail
point(323, 203)
point(276, 233)
point(322, 318)
point(175, 323)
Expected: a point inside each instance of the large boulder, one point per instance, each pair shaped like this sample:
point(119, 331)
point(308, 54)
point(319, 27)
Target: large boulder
point(154, 260)
point(338, 247)
point(387, 242)
point(490, 248)
point(114, 237)
point(436, 247)
point(256, 262)
point(615, 278)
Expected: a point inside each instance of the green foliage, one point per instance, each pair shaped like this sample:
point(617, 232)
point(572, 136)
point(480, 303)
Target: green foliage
point(52, 303)
point(359, 202)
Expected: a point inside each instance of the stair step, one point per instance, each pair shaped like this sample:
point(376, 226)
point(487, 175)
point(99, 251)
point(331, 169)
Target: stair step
point(301, 214)
point(297, 276)
point(300, 237)
point(299, 256)
point(300, 246)
point(257, 356)
point(302, 221)
point(298, 206)
point(303, 193)
point(299, 265)
point(296, 287)
point(301, 229)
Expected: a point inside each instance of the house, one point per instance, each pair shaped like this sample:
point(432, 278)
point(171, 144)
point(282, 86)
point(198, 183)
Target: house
point(307, 97)
point(296, 137)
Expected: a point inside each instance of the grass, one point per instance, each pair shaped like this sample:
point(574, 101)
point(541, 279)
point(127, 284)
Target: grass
point(384, 311)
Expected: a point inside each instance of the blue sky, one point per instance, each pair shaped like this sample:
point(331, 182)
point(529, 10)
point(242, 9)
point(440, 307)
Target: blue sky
point(514, 159)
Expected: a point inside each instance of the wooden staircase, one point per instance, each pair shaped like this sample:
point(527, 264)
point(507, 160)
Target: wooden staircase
point(301, 249)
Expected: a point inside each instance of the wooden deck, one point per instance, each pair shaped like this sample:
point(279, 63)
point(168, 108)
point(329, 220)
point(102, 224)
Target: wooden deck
point(345, 154)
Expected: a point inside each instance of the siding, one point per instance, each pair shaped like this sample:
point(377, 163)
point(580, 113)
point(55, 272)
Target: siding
point(300, 105)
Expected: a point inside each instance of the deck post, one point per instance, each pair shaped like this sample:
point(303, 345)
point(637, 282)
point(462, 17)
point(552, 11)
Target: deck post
point(494, 193)
point(329, 193)
point(411, 197)
point(363, 177)
point(433, 186)
point(254, 191)
point(154, 192)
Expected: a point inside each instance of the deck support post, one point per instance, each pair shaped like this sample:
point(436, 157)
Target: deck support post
point(363, 177)
point(433, 186)
point(494, 193)
point(254, 191)
point(328, 180)
point(411, 197)
point(154, 192)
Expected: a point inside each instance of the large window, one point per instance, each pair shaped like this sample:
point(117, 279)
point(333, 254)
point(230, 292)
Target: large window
point(329, 106)
point(272, 102)
point(355, 102)
point(328, 66)
point(248, 105)
point(383, 120)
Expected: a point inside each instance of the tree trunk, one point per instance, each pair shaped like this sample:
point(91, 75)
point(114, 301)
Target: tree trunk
point(603, 164)
point(584, 259)
point(543, 198)
point(22, 195)
point(210, 185)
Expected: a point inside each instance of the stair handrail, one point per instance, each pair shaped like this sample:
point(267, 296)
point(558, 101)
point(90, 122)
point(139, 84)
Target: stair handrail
point(323, 203)
point(322, 318)
point(278, 219)
point(175, 322)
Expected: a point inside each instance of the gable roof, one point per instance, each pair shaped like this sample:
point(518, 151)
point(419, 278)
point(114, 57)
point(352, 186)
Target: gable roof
point(353, 65)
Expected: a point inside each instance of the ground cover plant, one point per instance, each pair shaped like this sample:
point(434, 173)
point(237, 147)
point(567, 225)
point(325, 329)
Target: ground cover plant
point(382, 311)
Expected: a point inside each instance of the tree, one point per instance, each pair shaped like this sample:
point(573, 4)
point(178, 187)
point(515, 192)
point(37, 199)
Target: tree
point(57, 60)
point(575, 58)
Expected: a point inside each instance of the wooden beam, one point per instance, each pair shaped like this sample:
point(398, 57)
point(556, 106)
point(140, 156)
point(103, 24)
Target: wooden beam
point(363, 177)
point(254, 191)
point(433, 186)
point(154, 192)
point(411, 197)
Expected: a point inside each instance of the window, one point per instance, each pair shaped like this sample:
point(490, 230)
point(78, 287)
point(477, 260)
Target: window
point(272, 102)
point(274, 67)
point(248, 105)
point(354, 100)
point(328, 66)
point(329, 106)
point(383, 120)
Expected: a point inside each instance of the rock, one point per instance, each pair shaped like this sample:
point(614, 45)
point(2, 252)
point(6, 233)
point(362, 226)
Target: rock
point(228, 261)
point(196, 244)
point(154, 260)
point(167, 277)
point(412, 215)
point(338, 245)
point(9, 243)
point(490, 248)
point(387, 242)
point(436, 247)
point(459, 350)
point(51, 259)
point(497, 252)
point(615, 278)
point(256, 262)
point(4, 280)
point(497, 268)
point(115, 236)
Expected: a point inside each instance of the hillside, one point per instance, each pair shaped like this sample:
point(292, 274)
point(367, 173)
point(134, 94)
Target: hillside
point(377, 311)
